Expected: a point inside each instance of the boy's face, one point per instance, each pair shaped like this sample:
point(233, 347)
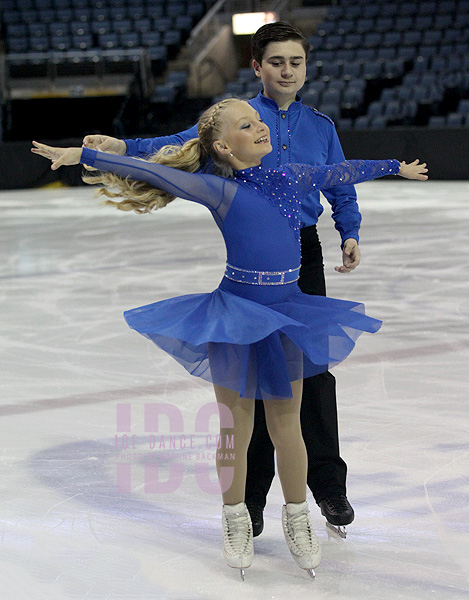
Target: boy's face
point(283, 70)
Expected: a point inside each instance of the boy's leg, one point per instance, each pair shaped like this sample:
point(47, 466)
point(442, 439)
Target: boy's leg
point(327, 471)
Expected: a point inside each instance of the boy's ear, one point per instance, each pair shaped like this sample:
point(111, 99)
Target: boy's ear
point(257, 67)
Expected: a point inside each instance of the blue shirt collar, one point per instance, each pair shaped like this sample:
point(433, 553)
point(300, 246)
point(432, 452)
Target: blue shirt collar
point(272, 105)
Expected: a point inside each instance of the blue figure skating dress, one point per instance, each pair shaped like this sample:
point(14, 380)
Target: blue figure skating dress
point(257, 331)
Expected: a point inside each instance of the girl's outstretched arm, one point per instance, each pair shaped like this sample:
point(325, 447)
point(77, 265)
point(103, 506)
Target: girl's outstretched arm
point(353, 171)
point(210, 190)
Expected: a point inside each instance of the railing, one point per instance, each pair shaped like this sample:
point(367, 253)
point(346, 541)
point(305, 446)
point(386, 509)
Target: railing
point(97, 61)
point(221, 11)
point(205, 26)
point(220, 15)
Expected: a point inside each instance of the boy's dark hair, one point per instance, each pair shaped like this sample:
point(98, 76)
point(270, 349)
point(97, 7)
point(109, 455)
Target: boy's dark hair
point(276, 32)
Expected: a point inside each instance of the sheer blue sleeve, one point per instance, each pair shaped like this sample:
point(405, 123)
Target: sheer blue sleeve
point(345, 173)
point(216, 193)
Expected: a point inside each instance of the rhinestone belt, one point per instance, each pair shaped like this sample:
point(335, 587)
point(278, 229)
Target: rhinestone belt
point(262, 277)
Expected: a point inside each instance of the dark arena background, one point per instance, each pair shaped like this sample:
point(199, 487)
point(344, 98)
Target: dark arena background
point(394, 76)
point(109, 487)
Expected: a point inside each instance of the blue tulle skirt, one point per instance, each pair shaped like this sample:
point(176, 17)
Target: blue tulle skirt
point(254, 348)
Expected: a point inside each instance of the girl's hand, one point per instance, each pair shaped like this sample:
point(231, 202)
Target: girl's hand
point(59, 156)
point(413, 170)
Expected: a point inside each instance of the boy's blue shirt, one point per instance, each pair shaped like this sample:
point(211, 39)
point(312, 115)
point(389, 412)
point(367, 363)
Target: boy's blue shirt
point(298, 135)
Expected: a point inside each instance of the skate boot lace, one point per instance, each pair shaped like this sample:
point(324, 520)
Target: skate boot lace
point(337, 503)
point(237, 533)
point(303, 540)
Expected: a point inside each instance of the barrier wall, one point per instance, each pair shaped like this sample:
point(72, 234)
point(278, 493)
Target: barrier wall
point(20, 168)
point(445, 150)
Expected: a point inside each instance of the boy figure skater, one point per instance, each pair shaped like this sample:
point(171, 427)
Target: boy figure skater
point(299, 134)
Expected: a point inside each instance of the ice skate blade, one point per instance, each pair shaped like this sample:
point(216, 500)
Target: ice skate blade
point(241, 572)
point(311, 573)
point(340, 530)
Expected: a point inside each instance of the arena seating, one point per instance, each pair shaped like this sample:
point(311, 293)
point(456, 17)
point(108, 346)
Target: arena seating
point(376, 64)
point(373, 64)
point(36, 31)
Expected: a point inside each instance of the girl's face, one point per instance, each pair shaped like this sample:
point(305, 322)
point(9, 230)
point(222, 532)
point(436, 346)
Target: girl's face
point(243, 135)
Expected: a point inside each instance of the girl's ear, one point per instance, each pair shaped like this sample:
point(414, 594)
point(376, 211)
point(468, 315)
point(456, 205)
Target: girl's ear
point(221, 147)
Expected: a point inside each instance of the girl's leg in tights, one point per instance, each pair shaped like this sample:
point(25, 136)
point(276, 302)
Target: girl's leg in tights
point(234, 443)
point(283, 424)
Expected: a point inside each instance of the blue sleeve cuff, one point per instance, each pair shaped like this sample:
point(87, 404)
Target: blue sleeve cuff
point(132, 149)
point(349, 235)
point(88, 156)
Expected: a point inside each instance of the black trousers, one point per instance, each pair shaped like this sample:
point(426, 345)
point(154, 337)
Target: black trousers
point(326, 470)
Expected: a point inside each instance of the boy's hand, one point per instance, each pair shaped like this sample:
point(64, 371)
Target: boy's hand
point(105, 143)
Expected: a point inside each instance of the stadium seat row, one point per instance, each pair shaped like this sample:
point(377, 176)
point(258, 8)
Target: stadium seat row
point(384, 9)
point(193, 8)
point(170, 39)
point(399, 24)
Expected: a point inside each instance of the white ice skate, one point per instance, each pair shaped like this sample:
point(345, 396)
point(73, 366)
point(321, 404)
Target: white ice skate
point(238, 548)
point(300, 536)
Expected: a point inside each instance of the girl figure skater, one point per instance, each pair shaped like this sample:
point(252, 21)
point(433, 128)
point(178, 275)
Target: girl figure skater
point(256, 335)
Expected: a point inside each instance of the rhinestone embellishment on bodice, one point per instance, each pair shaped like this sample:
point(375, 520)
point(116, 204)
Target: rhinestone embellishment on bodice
point(277, 187)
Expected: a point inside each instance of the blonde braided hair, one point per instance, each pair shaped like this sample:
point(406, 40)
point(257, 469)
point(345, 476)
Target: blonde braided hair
point(141, 197)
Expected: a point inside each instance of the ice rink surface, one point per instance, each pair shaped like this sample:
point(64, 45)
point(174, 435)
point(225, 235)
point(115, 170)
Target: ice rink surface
point(82, 516)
